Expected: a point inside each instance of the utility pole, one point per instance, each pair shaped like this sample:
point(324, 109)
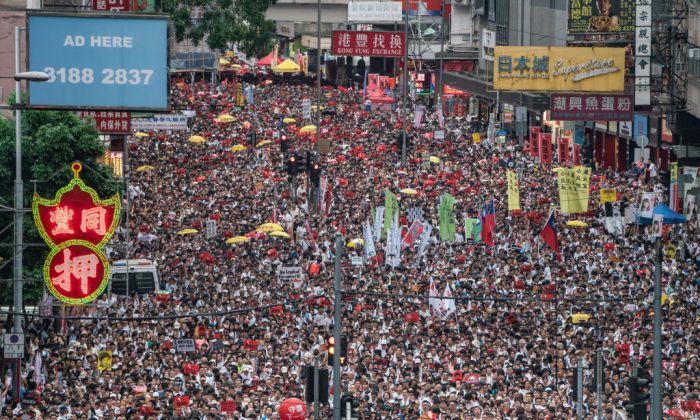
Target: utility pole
point(19, 215)
point(317, 404)
point(658, 340)
point(337, 327)
point(405, 84)
point(579, 390)
point(440, 89)
point(599, 382)
point(318, 78)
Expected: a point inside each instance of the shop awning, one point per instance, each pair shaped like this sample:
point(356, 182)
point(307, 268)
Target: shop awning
point(479, 87)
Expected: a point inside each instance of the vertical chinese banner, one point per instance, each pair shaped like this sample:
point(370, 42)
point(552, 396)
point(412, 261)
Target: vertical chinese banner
point(76, 225)
point(673, 190)
point(545, 148)
point(563, 150)
point(577, 155)
point(534, 141)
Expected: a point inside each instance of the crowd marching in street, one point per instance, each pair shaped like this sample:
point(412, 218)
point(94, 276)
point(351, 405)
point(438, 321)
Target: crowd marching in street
point(456, 305)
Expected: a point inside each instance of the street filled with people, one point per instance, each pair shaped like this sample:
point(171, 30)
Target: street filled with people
point(500, 339)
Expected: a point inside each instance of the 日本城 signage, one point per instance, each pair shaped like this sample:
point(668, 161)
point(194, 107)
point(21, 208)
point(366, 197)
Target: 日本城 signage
point(101, 62)
point(582, 69)
point(587, 107)
point(368, 44)
point(76, 225)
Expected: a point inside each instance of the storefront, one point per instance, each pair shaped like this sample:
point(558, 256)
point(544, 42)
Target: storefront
point(455, 102)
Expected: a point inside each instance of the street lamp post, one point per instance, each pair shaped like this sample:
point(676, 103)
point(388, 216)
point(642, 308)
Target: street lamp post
point(318, 78)
point(405, 86)
point(33, 76)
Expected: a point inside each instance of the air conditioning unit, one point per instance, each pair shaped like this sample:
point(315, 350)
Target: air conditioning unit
point(462, 2)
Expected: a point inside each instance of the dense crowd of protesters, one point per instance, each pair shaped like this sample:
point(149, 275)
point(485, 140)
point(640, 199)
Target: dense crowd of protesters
point(506, 353)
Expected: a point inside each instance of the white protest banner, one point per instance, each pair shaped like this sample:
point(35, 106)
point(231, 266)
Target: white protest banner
point(412, 235)
point(424, 240)
point(370, 251)
point(378, 223)
point(293, 275)
point(184, 345)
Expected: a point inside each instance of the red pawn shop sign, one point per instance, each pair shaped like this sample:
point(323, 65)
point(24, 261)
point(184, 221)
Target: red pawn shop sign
point(76, 225)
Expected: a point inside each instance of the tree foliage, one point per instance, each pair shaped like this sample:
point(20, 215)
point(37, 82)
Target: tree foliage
point(51, 141)
point(222, 23)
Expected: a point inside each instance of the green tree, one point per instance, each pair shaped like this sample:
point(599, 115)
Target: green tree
point(51, 141)
point(223, 22)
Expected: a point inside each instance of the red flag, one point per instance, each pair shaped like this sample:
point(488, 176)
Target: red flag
point(488, 222)
point(549, 235)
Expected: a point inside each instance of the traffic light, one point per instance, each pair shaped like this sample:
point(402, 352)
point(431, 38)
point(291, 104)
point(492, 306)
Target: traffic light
point(284, 144)
point(291, 166)
point(349, 406)
point(251, 139)
point(323, 384)
point(330, 343)
point(301, 162)
point(343, 349)
point(639, 398)
point(315, 174)
point(309, 161)
point(594, 384)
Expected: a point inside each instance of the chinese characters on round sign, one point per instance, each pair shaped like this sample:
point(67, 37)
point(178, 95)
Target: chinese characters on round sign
point(76, 271)
point(76, 224)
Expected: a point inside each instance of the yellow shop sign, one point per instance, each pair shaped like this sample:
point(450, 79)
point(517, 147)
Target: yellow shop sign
point(572, 69)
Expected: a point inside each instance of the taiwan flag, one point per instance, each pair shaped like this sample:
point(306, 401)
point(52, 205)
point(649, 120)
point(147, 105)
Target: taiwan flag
point(488, 222)
point(549, 235)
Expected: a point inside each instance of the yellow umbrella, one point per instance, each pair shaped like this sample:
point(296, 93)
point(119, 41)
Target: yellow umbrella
point(145, 168)
point(289, 120)
point(308, 129)
point(238, 148)
point(141, 134)
point(280, 234)
point(187, 231)
point(578, 318)
point(236, 66)
point(225, 118)
point(434, 159)
point(313, 107)
point(576, 223)
point(409, 191)
point(197, 139)
point(557, 169)
point(223, 61)
point(264, 143)
point(237, 240)
point(355, 242)
point(270, 227)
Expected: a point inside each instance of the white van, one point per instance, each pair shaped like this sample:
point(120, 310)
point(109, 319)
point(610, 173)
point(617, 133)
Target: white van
point(143, 277)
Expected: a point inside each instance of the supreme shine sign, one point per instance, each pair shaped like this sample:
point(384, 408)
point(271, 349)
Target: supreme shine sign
point(368, 44)
point(569, 69)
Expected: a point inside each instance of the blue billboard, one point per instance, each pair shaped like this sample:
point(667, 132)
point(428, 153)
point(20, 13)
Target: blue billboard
point(98, 61)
